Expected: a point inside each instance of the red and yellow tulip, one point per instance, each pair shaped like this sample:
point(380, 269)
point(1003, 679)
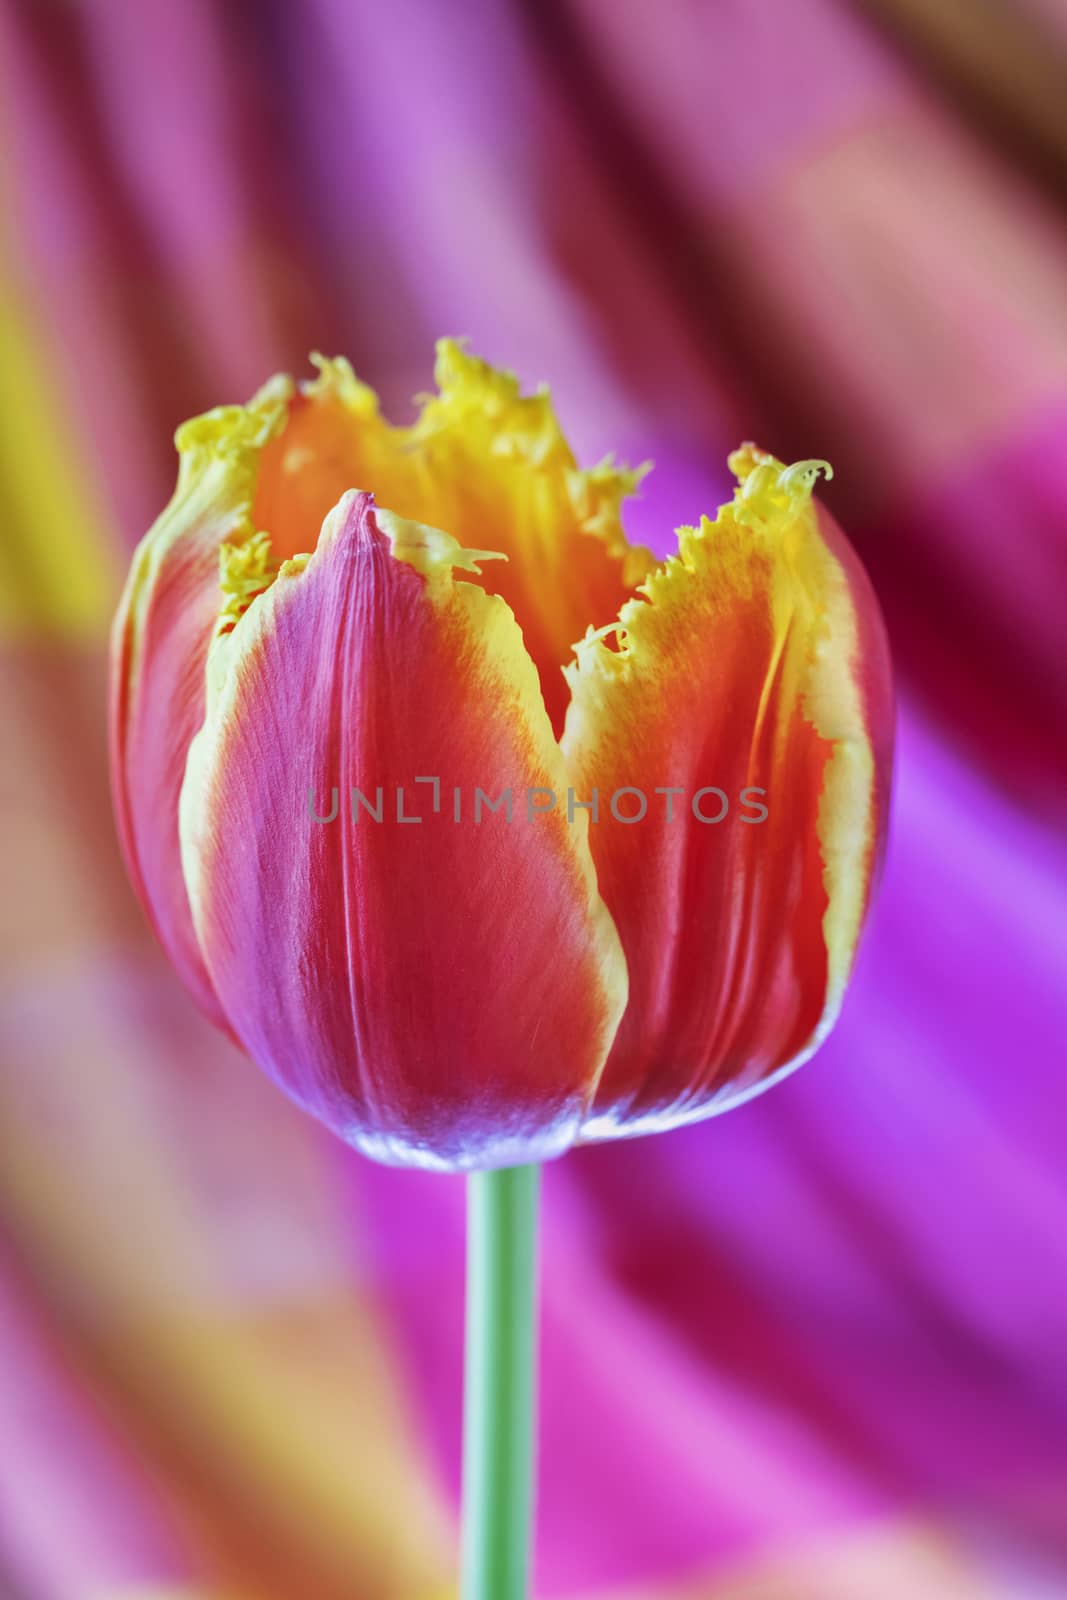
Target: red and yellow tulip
point(607, 951)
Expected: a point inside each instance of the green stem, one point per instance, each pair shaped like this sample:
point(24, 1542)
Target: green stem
point(499, 1383)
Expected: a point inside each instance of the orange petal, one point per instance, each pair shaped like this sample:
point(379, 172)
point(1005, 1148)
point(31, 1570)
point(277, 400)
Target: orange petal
point(484, 461)
point(159, 645)
point(440, 993)
point(755, 660)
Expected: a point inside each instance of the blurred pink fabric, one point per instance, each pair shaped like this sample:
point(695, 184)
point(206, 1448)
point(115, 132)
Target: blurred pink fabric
point(816, 1348)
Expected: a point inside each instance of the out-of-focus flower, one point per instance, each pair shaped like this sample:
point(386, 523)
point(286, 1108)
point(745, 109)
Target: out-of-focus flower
point(469, 892)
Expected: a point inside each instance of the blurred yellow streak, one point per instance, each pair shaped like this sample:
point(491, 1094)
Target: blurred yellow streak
point(59, 577)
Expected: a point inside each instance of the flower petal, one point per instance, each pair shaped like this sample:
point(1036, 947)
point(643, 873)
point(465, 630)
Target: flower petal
point(484, 461)
point(755, 660)
point(440, 993)
point(159, 644)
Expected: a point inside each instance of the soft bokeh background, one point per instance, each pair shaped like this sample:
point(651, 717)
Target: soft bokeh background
point(815, 1350)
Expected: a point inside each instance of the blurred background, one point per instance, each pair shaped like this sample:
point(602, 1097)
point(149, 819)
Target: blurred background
point(814, 1350)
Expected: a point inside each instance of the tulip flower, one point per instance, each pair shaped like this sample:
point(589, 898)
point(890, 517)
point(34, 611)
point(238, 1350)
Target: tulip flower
point(321, 610)
point(574, 890)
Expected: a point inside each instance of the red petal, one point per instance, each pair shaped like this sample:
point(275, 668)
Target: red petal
point(159, 645)
point(439, 993)
point(757, 662)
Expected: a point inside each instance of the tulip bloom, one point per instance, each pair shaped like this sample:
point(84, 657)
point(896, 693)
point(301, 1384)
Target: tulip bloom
point(455, 991)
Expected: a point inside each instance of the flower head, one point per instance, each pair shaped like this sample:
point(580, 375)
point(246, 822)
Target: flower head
point(467, 890)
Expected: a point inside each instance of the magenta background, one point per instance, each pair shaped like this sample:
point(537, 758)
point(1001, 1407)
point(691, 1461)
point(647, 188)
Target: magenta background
point(844, 1306)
